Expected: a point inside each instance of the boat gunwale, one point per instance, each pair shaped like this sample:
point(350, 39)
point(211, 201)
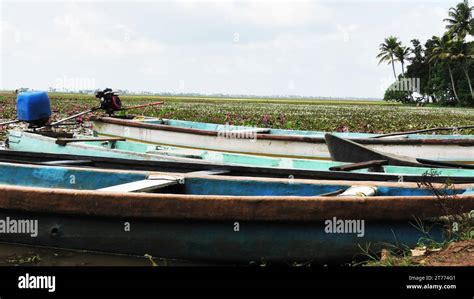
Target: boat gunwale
point(309, 139)
point(223, 207)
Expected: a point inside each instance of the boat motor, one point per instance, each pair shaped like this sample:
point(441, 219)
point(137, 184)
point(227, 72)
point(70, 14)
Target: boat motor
point(109, 100)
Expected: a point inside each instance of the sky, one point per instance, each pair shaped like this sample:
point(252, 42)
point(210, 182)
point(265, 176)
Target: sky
point(265, 48)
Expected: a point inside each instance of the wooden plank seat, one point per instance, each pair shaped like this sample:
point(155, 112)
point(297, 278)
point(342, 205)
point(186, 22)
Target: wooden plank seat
point(150, 184)
point(211, 172)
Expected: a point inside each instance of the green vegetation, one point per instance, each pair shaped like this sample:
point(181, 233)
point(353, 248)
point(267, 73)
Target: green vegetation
point(388, 50)
point(24, 260)
point(456, 227)
point(443, 64)
point(376, 117)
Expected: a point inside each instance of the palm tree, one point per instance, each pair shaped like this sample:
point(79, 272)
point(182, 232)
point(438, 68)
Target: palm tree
point(387, 52)
point(460, 21)
point(429, 46)
point(417, 51)
point(443, 51)
point(402, 53)
point(460, 52)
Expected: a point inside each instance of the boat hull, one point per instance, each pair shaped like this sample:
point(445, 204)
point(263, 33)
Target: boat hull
point(212, 241)
point(219, 219)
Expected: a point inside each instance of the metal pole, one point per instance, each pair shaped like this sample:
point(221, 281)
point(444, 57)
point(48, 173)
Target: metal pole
point(423, 131)
point(10, 122)
point(143, 106)
point(72, 117)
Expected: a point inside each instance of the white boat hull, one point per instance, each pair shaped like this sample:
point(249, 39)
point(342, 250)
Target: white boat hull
point(276, 147)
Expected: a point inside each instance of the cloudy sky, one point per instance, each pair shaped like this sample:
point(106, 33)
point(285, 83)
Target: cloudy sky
point(307, 48)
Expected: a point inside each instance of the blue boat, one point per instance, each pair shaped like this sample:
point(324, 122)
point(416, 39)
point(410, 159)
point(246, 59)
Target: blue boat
point(216, 218)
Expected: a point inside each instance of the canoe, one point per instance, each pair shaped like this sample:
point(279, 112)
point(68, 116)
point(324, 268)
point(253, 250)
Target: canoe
point(214, 218)
point(276, 142)
point(375, 170)
point(345, 150)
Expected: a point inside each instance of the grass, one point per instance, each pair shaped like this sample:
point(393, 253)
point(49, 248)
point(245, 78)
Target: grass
point(387, 258)
point(322, 115)
point(457, 226)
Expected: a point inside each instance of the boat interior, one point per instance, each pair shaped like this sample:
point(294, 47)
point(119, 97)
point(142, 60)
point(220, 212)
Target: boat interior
point(59, 177)
point(133, 147)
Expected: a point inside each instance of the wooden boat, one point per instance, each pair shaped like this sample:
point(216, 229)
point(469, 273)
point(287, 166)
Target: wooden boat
point(276, 142)
point(373, 169)
point(345, 150)
point(214, 218)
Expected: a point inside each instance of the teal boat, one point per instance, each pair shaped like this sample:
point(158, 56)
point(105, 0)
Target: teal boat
point(119, 148)
point(215, 218)
point(277, 142)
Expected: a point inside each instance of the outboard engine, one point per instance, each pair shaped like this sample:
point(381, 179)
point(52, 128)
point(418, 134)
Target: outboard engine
point(34, 108)
point(109, 100)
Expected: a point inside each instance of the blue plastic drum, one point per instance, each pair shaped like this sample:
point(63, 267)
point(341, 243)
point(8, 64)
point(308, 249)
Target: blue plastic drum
point(33, 106)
